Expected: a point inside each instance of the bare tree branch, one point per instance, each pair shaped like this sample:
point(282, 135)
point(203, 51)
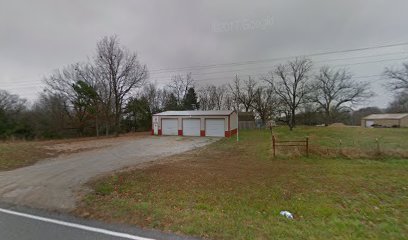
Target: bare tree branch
point(265, 103)
point(243, 94)
point(290, 83)
point(179, 86)
point(335, 90)
point(398, 77)
point(121, 71)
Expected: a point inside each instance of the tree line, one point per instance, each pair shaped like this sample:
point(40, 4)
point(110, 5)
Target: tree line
point(110, 94)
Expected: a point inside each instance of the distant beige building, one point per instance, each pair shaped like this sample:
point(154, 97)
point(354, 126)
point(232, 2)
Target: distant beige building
point(385, 120)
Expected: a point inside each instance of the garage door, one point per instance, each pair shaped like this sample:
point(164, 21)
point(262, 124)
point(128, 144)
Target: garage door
point(214, 127)
point(191, 127)
point(369, 123)
point(169, 127)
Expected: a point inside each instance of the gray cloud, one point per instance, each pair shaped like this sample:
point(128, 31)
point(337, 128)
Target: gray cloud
point(39, 36)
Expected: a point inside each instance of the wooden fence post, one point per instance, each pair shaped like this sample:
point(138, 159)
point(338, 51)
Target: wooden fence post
point(378, 146)
point(273, 146)
point(341, 147)
point(307, 147)
point(288, 143)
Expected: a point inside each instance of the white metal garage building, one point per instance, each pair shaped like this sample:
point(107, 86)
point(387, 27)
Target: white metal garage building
point(195, 123)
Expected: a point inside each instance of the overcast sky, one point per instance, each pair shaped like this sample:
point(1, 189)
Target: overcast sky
point(40, 36)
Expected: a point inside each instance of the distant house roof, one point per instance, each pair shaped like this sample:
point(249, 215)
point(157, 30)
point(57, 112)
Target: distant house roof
point(386, 116)
point(195, 113)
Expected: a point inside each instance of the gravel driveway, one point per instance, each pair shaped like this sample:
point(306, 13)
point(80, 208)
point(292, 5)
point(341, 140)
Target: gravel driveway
point(55, 183)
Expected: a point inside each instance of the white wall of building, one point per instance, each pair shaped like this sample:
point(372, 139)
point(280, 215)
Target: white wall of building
point(230, 121)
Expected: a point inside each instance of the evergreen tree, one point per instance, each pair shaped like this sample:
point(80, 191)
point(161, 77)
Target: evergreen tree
point(85, 105)
point(138, 115)
point(190, 100)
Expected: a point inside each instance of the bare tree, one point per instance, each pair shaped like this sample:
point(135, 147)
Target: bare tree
point(235, 89)
point(356, 116)
point(399, 104)
point(204, 96)
point(218, 94)
point(228, 103)
point(121, 73)
point(92, 89)
point(11, 103)
point(50, 116)
point(179, 86)
point(291, 85)
point(399, 77)
point(82, 88)
point(265, 102)
point(243, 93)
point(72, 87)
point(335, 91)
point(154, 96)
point(212, 97)
point(61, 82)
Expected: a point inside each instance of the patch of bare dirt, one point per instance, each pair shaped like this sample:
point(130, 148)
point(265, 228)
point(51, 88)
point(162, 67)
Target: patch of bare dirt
point(55, 184)
point(337, 125)
point(17, 154)
point(84, 144)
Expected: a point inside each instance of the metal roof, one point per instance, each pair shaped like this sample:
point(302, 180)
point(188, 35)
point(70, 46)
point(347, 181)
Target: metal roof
point(194, 113)
point(386, 116)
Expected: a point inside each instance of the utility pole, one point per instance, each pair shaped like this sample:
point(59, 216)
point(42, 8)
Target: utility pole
point(238, 123)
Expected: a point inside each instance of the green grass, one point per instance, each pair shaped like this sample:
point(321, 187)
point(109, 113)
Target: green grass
point(236, 190)
point(356, 137)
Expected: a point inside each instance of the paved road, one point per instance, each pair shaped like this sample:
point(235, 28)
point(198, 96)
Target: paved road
point(31, 224)
point(56, 183)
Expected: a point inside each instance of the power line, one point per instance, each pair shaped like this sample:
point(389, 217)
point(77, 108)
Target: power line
point(384, 60)
point(326, 60)
point(340, 65)
point(264, 67)
point(280, 58)
point(269, 67)
point(23, 83)
point(230, 78)
point(289, 57)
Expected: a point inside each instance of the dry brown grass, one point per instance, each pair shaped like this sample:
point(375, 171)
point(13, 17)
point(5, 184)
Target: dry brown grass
point(16, 154)
point(235, 191)
point(19, 154)
point(356, 153)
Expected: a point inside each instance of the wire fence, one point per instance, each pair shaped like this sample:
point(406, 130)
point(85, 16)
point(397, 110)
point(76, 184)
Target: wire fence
point(290, 143)
point(360, 147)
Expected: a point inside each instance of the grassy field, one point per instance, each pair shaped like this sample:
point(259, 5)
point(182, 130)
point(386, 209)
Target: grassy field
point(235, 190)
point(350, 137)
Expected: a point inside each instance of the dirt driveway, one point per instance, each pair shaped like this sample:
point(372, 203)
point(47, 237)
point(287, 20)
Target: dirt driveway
point(56, 183)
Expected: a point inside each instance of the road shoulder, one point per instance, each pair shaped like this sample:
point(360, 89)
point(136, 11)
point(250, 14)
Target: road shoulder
point(50, 216)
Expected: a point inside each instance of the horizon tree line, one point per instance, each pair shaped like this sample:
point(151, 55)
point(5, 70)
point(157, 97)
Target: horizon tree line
point(110, 94)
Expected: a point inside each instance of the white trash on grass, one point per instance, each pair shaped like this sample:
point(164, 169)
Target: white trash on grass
point(286, 214)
